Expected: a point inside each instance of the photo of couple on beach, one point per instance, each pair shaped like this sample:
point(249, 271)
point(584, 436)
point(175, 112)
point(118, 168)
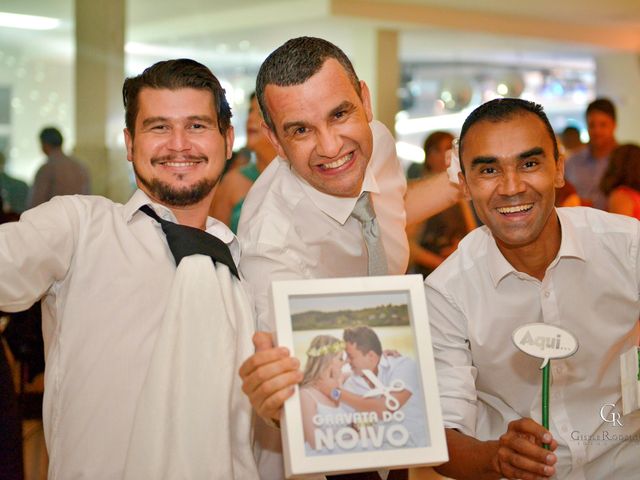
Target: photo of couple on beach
point(361, 390)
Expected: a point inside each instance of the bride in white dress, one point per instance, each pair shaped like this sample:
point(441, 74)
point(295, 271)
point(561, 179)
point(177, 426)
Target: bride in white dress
point(325, 359)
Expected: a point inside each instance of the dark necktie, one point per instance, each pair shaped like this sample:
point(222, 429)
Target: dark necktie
point(184, 241)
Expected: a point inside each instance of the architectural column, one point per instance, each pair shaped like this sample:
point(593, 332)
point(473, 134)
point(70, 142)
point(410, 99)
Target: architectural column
point(376, 60)
point(99, 68)
point(618, 78)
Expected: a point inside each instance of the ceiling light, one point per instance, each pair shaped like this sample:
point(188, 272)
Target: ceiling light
point(28, 22)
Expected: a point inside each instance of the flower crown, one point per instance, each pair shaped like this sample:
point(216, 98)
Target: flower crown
point(334, 347)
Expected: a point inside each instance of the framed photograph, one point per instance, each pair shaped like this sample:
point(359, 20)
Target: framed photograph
point(369, 399)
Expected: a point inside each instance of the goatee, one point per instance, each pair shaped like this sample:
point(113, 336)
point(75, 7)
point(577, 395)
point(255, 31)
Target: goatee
point(177, 197)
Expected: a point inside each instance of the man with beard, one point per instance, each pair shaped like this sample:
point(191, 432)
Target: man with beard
point(105, 272)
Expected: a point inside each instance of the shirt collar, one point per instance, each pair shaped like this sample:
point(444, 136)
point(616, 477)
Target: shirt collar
point(138, 199)
point(338, 208)
point(213, 227)
point(570, 247)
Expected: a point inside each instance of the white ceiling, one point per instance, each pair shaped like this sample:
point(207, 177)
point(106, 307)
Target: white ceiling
point(222, 29)
point(619, 12)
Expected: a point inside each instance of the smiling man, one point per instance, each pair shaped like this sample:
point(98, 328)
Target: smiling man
point(105, 274)
point(301, 218)
point(297, 220)
point(575, 268)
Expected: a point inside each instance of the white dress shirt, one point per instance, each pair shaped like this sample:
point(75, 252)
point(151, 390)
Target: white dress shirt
point(289, 230)
point(391, 369)
point(477, 299)
point(104, 272)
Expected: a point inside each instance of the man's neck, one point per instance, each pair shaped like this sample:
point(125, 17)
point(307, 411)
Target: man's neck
point(534, 258)
point(55, 153)
point(192, 215)
point(604, 150)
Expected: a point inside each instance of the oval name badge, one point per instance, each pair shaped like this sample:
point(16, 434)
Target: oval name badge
point(544, 341)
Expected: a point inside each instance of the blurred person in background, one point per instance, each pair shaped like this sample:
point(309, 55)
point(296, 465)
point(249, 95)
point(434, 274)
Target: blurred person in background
point(61, 174)
point(621, 181)
point(229, 197)
point(585, 168)
point(567, 196)
point(435, 239)
point(13, 192)
point(239, 159)
point(571, 141)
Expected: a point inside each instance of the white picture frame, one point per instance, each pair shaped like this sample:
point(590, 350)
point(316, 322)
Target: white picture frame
point(316, 312)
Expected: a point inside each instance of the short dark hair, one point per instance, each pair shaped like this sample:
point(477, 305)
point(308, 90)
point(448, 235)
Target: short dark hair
point(623, 169)
point(175, 75)
point(571, 130)
point(364, 338)
point(51, 136)
point(294, 62)
point(603, 105)
point(503, 109)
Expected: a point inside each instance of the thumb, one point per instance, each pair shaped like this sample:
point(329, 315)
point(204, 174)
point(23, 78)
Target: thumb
point(262, 341)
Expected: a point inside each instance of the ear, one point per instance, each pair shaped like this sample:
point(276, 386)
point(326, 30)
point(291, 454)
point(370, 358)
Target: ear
point(228, 139)
point(366, 100)
point(128, 141)
point(465, 188)
point(273, 138)
point(558, 180)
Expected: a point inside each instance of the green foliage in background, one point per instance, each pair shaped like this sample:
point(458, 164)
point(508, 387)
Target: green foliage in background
point(381, 316)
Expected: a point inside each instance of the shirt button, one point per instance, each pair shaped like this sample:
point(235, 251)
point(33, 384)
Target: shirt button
point(547, 293)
